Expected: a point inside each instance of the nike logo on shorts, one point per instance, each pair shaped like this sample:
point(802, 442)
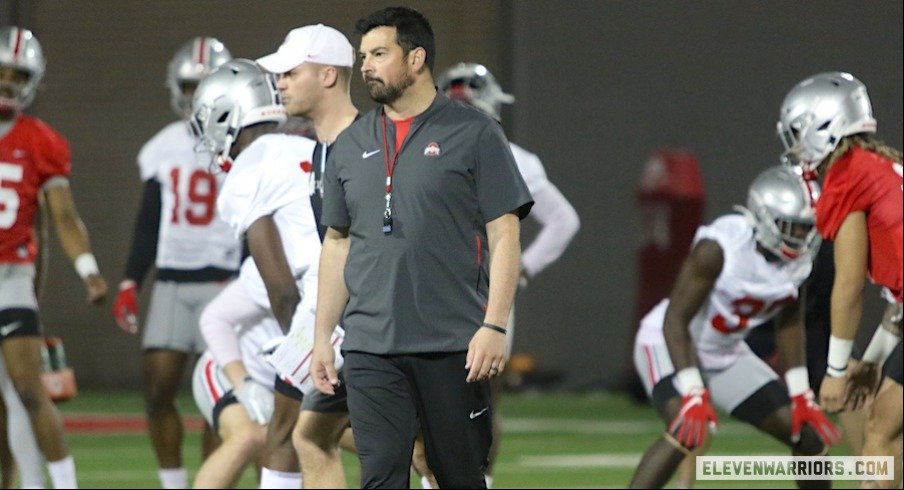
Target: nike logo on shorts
point(8, 329)
point(478, 413)
point(368, 154)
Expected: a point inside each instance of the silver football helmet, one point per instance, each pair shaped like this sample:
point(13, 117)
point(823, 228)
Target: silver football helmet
point(474, 84)
point(780, 206)
point(236, 95)
point(20, 50)
point(192, 62)
point(818, 112)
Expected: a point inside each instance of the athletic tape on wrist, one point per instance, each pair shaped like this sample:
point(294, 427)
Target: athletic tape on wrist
point(798, 380)
point(86, 265)
point(689, 379)
point(880, 346)
point(839, 354)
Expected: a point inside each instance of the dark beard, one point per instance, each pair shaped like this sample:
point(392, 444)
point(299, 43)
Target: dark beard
point(387, 94)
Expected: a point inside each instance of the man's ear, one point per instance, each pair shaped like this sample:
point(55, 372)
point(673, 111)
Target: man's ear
point(417, 58)
point(328, 76)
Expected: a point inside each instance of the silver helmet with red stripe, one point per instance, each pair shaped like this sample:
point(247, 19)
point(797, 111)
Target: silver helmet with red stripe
point(818, 112)
point(780, 206)
point(473, 84)
point(21, 51)
point(192, 62)
point(234, 96)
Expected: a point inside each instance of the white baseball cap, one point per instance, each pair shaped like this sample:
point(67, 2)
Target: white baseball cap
point(314, 44)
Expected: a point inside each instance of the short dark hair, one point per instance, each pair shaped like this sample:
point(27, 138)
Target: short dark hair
point(412, 29)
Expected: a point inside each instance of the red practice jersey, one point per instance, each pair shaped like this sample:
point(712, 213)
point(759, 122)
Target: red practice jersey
point(865, 181)
point(30, 154)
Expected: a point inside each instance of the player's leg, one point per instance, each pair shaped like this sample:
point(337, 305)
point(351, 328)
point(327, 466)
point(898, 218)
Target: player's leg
point(23, 363)
point(281, 468)
point(884, 423)
point(419, 464)
point(751, 391)
point(19, 436)
point(162, 375)
point(686, 475)
point(198, 296)
point(22, 341)
point(242, 438)
point(7, 462)
point(210, 441)
point(164, 360)
point(853, 425)
point(318, 431)
point(660, 461)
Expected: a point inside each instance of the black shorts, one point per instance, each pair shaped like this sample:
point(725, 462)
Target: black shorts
point(226, 400)
point(290, 391)
point(320, 403)
point(316, 401)
point(893, 365)
point(19, 322)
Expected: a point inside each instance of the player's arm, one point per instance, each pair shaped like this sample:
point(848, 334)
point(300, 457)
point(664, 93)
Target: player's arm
point(790, 341)
point(864, 376)
point(74, 237)
point(332, 296)
point(142, 254)
point(692, 287)
point(42, 231)
point(790, 334)
point(559, 222)
point(487, 348)
point(266, 247)
point(851, 254)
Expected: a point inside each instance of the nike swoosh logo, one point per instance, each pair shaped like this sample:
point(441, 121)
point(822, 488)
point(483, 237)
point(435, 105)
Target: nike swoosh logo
point(368, 154)
point(474, 414)
point(8, 329)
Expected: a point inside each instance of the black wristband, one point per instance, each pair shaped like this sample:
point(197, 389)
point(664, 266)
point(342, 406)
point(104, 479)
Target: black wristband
point(494, 327)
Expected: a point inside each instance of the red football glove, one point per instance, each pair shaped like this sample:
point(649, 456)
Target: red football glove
point(804, 410)
point(125, 309)
point(694, 419)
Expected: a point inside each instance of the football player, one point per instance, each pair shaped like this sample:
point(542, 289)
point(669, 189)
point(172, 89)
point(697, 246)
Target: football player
point(34, 173)
point(743, 269)
point(179, 231)
point(266, 199)
point(828, 130)
point(238, 416)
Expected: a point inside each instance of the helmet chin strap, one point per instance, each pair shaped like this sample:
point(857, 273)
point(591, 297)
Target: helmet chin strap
point(224, 160)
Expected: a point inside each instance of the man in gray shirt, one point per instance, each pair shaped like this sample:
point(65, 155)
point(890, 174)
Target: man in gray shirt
point(420, 262)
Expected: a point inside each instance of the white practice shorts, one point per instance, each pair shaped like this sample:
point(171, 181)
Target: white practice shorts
point(17, 286)
point(211, 389)
point(175, 311)
point(729, 387)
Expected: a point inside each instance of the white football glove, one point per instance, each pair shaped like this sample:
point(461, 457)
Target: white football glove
point(257, 400)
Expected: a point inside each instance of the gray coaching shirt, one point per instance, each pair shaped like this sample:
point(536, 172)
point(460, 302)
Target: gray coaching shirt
point(424, 287)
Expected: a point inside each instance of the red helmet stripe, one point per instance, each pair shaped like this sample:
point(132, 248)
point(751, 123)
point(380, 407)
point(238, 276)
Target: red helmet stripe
point(17, 46)
point(811, 192)
point(202, 49)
